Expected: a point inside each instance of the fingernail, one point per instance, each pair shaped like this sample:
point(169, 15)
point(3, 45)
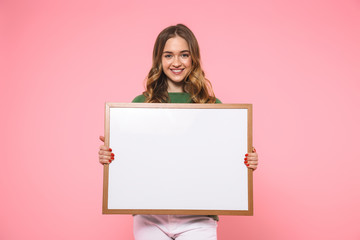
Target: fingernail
point(246, 155)
point(245, 158)
point(109, 161)
point(113, 155)
point(110, 149)
point(112, 158)
point(246, 162)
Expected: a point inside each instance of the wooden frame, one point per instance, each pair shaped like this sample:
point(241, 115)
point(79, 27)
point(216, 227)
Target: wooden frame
point(132, 131)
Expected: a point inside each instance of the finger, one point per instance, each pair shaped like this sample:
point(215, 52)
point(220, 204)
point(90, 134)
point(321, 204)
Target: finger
point(105, 153)
point(253, 163)
point(103, 147)
point(102, 138)
point(254, 150)
point(105, 161)
point(247, 162)
point(106, 157)
point(252, 155)
point(252, 158)
point(250, 161)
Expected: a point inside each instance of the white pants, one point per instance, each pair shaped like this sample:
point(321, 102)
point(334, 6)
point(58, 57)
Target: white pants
point(179, 227)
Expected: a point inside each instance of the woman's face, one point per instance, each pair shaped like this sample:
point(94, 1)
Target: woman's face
point(176, 62)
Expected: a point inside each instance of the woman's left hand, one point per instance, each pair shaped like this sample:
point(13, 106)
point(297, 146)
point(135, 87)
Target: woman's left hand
point(251, 160)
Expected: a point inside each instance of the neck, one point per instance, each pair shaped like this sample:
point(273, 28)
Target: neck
point(175, 87)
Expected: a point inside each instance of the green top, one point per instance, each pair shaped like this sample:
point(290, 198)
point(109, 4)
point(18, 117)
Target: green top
point(176, 97)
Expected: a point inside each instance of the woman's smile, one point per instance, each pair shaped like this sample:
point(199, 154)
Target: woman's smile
point(177, 71)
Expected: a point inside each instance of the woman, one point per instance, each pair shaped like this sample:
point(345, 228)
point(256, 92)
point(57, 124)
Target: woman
point(176, 76)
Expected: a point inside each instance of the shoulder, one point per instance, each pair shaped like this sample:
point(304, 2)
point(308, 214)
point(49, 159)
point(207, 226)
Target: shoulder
point(139, 99)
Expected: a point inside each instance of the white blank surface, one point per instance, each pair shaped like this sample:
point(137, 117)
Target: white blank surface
point(178, 159)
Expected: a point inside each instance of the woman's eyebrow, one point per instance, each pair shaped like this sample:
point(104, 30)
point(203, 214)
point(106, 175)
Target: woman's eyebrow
point(180, 51)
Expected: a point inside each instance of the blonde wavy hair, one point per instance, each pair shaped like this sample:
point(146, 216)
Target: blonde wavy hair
point(195, 83)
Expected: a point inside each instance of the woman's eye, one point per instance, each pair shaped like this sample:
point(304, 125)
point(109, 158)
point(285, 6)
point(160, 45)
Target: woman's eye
point(185, 55)
point(167, 56)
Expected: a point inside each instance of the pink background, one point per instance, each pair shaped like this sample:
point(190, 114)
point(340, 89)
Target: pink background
point(298, 62)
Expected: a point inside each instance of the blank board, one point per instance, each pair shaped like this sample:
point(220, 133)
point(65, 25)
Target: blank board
point(178, 159)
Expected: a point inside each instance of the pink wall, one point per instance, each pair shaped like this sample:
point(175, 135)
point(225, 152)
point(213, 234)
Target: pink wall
point(298, 62)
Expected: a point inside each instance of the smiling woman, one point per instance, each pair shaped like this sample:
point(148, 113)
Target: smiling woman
point(176, 76)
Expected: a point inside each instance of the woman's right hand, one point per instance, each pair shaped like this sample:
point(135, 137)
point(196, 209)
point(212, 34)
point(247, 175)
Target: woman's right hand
point(105, 154)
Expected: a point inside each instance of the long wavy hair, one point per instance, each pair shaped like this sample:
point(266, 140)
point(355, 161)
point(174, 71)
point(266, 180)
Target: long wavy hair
point(195, 83)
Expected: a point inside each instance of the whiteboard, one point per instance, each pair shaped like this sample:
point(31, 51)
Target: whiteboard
point(178, 159)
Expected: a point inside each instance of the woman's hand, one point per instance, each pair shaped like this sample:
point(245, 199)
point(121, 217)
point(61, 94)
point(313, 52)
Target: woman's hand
point(251, 160)
point(105, 154)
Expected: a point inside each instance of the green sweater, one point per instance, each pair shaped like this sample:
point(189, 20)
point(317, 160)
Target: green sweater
point(176, 97)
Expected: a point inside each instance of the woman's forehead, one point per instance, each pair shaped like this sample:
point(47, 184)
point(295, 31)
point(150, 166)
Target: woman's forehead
point(176, 44)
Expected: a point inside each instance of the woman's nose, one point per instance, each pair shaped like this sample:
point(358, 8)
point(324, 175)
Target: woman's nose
point(176, 62)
